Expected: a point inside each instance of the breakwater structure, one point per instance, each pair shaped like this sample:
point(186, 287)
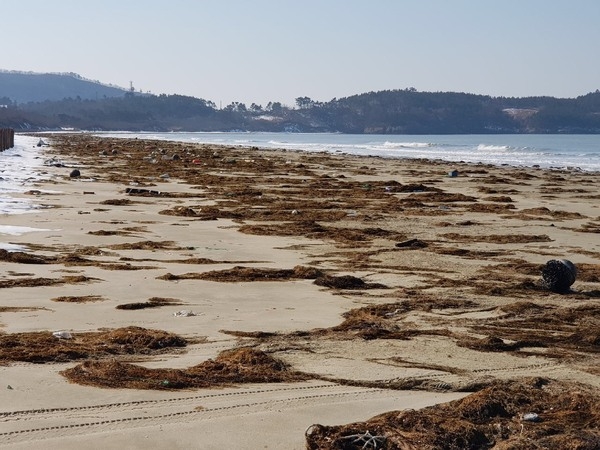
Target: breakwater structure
point(7, 138)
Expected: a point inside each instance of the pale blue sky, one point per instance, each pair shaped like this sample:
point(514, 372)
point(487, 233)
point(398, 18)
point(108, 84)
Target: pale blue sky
point(277, 50)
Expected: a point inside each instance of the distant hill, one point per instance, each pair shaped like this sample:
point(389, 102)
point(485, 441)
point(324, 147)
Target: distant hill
point(33, 101)
point(25, 87)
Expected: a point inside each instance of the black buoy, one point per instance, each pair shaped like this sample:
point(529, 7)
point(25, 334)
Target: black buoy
point(558, 275)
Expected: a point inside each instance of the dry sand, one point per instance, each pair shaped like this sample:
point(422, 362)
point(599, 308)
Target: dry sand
point(226, 297)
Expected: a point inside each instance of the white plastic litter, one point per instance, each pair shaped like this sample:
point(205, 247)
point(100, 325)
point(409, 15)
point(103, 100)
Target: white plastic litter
point(62, 335)
point(184, 313)
point(531, 417)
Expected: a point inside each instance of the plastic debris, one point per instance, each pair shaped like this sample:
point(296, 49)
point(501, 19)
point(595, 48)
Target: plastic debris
point(531, 417)
point(62, 335)
point(184, 313)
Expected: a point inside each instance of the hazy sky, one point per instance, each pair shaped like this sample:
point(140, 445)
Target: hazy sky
point(276, 50)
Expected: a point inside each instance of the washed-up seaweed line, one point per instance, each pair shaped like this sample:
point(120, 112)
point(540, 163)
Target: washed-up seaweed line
point(180, 413)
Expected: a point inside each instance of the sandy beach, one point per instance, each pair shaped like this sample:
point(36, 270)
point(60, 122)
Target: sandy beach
point(215, 297)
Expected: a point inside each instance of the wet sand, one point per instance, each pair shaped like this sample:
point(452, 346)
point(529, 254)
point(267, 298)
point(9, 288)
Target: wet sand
point(221, 295)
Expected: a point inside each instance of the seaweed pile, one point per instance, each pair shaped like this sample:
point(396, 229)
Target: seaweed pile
point(230, 367)
point(45, 346)
point(519, 414)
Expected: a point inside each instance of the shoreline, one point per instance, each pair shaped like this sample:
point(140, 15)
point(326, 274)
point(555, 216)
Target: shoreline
point(421, 272)
point(549, 152)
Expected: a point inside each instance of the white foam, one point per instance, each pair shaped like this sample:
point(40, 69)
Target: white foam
point(389, 144)
point(17, 231)
point(19, 168)
point(11, 247)
point(492, 148)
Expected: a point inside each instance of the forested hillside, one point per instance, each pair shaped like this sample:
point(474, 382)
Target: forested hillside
point(405, 111)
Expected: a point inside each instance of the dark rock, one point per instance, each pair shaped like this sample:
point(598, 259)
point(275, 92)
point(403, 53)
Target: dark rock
point(75, 173)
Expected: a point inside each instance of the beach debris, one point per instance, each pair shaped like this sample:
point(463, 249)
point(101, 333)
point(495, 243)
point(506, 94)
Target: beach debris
point(22, 257)
point(412, 243)
point(230, 367)
point(453, 173)
point(154, 302)
point(146, 192)
point(182, 211)
point(366, 439)
point(75, 173)
point(558, 275)
point(531, 417)
point(346, 282)
point(241, 273)
point(62, 335)
point(53, 162)
point(41, 143)
point(9, 387)
point(184, 313)
point(45, 346)
point(340, 282)
point(117, 202)
point(474, 421)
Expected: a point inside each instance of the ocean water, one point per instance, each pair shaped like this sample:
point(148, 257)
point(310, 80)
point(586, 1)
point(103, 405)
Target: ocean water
point(20, 167)
point(546, 151)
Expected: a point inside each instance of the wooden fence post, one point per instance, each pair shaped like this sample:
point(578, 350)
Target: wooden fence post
point(7, 138)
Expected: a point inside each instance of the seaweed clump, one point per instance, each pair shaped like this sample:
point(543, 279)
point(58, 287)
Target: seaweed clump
point(242, 365)
point(44, 346)
point(529, 413)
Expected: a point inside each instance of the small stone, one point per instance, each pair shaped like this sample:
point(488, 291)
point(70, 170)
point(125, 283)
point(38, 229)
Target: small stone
point(75, 173)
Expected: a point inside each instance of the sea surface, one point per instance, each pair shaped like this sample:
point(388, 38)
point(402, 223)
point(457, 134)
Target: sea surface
point(22, 165)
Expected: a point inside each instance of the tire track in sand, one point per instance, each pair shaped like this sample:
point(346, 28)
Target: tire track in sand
point(40, 424)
